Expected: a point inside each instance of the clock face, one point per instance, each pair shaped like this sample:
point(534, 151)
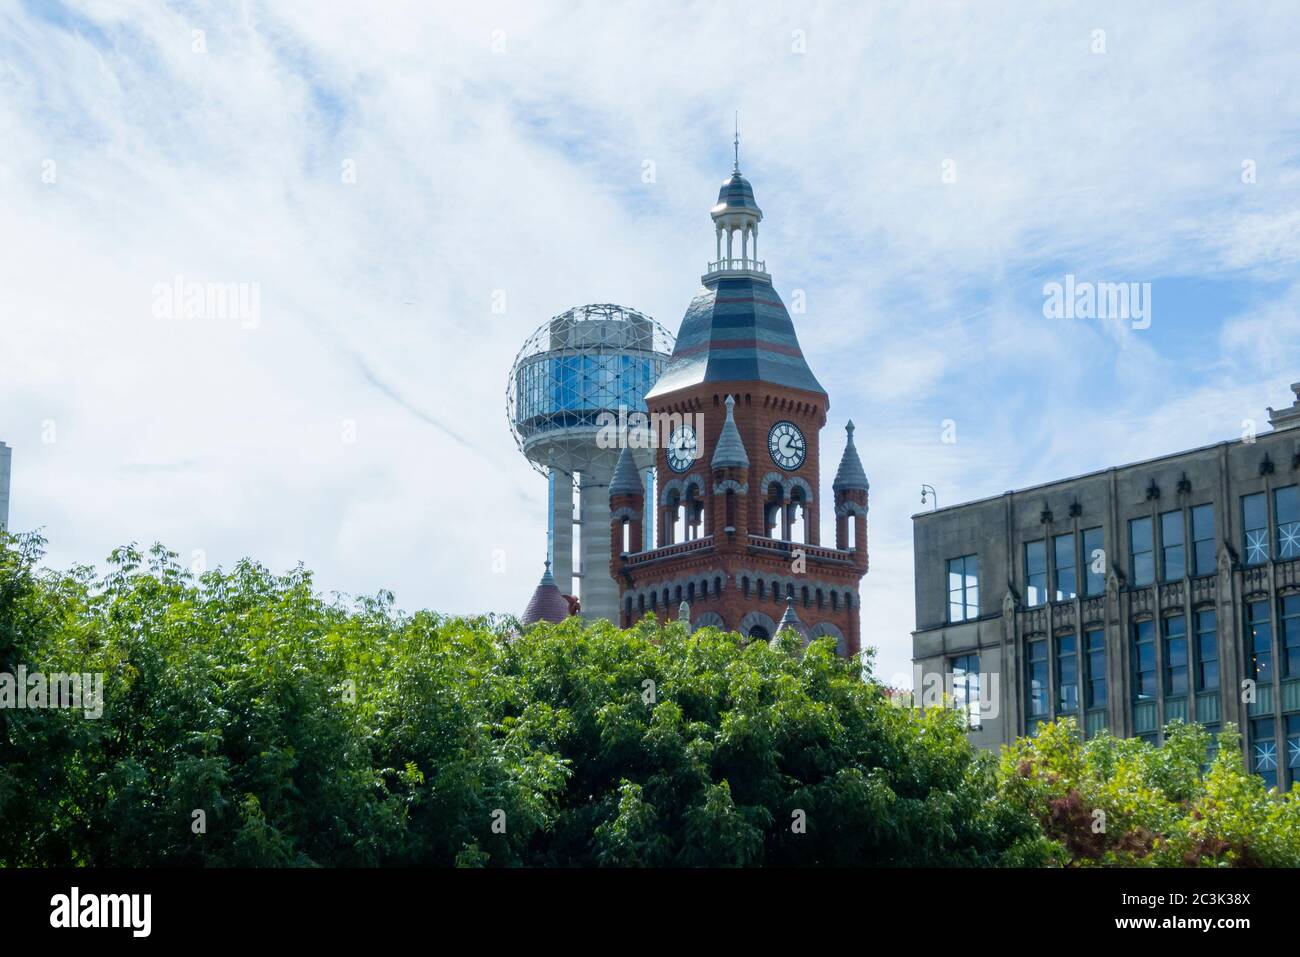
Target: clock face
point(786, 445)
point(681, 449)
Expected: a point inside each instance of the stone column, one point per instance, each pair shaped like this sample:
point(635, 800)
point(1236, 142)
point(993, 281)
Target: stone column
point(561, 528)
point(599, 593)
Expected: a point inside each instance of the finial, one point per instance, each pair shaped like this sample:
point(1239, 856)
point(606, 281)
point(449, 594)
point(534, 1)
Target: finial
point(731, 403)
point(849, 429)
point(735, 166)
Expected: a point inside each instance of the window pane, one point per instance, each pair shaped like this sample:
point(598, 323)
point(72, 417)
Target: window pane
point(1259, 642)
point(1144, 660)
point(963, 588)
point(1095, 645)
point(1067, 675)
point(1207, 651)
point(1094, 560)
point(1142, 551)
point(1203, 539)
point(965, 688)
point(1263, 750)
point(1066, 580)
point(1175, 632)
point(1286, 512)
point(1254, 524)
point(1035, 572)
point(1173, 562)
point(1289, 633)
point(1036, 677)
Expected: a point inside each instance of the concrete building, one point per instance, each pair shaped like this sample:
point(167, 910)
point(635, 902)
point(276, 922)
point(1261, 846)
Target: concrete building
point(1127, 598)
point(6, 462)
point(739, 497)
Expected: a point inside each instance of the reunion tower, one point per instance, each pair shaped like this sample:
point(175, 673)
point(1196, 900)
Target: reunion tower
point(575, 372)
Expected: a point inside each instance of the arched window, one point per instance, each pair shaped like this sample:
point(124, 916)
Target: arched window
point(640, 605)
point(773, 514)
point(796, 517)
point(744, 586)
point(804, 596)
point(835, 601)
point(762, 589)
point(717, 586)
point(759, 633)
point(821, 599)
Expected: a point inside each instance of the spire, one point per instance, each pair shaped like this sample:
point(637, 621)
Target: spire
point(735, 166)
point(790, 619)
point(626, 479)
point(730, 450)
point(851, 476)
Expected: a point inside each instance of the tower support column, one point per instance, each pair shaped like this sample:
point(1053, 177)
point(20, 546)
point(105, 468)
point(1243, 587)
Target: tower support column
point(599, 593)
point(561, 529)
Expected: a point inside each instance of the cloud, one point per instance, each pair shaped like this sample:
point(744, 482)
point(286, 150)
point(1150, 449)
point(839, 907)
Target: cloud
point(500, 150)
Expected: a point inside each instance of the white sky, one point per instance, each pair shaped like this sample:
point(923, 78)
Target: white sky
point(520, 169)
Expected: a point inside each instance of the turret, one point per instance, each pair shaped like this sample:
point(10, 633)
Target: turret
point(547, 603)
point(851, 489)
point(626, 512)
point(730, 465)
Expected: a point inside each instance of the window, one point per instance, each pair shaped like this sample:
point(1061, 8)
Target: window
point(1036, 677)
point(1035, 573)
point(1263, 752)
point(1142, 551)
point(963, 588)
point(1173, 554)
point(1144, 660)
point(1067, 579)
point(1094, 560)
point(1259, 642)
point(1254, 525)
point(1212, 749)
point(966, 688)
point(1207, 650)
point(1288, 634)
point(1203, 540)
point(1175, 636)
point(1067, 675)
point(1292, 722)
point(1286, 513)
point(1094, 646)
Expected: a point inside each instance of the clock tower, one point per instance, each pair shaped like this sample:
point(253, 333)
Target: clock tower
point(737, 499)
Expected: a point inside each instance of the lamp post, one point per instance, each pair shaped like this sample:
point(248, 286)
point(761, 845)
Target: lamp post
point(929, 489)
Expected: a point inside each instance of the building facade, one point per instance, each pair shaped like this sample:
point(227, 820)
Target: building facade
point(1128, 598)
point(737, 502)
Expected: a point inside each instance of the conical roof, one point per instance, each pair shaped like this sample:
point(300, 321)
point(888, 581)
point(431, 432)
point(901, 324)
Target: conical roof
point(547, 603)
point(626, 479)
point(730, 450)
point(850, 475)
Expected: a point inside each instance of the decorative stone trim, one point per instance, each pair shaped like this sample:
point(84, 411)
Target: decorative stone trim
point(757, 618)
point(850, 508)
point(625, 513)
point(730, 485)
point(826, 628)
point(708, 619)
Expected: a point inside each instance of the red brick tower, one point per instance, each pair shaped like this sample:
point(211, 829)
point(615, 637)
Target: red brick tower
point(738, 503)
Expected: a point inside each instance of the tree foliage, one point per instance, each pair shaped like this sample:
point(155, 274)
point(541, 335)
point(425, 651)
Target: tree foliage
point(1113, 801)
point(315, 732)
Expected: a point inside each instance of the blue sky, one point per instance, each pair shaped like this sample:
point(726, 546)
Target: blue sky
point(501, 148)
